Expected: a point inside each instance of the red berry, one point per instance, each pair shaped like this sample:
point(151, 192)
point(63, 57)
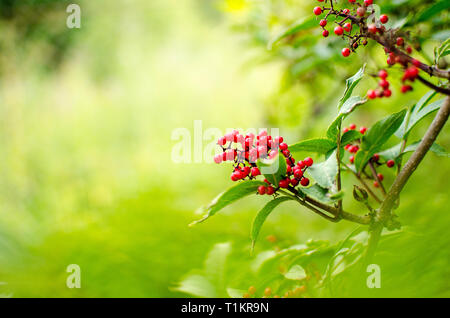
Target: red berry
point(409, 50)
point(361, 11)
point(352, 1)
point(390, 163)
point(371, 94)
point(278, 140)
point(345, 52)
point(352, 126)
point(283, 146)
point(235, 176)
point(383, 74)
point(308, 161)
point(317, 10)
point(353, 149)
point(376, 184)
point(345, 130)
point(222, 141)
point(284, 183)
point(298, 173)
point(406, 88)
point(304, 182)
point(288, 170)
point(352, 159)
point(294, 182)
point(380, 177)
point(255, 171)
point(362, 130)
point(412, 72)
point(387, 93)
point(325, 33)
point(286, 153)
point(372, 28)
point(348, 27)
point(218, 158)
point(346, 11)
point(376, 157)
point(368, 2)
point(384, 18)
point(301, 164)
point(323, 23)
point(400, 41)
point(338, 30)
point(383, 83)
point(390, 61)
point(270, 190)
point(262, 190)
point(416, 63)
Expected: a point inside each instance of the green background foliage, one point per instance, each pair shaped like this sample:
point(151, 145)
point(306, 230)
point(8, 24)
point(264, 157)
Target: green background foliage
point(85, 145)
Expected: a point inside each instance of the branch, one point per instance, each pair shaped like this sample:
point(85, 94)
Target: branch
point(438, 89)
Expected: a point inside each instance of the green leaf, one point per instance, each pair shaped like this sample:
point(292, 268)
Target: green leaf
point(324, 173)
point(350, 84)
point(197, 285)
point(274, 170)
point(442, 50)
point(296, 272)
point(438, 7)
point(320, 194)
point(402, 130)
point(235, 293)
point(263, 214)
point(319, 145)
point(350, 136)
point(418, 114)
point(347, 108)
point(376, 136)
point(227, 197)
point(300, 25)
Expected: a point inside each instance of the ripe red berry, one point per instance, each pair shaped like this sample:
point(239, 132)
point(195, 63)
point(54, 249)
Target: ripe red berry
point(235, 176)
point(301, 164)
point(368, 2)
point(406, 88)
point(346, 11)
point(288, 170)
point(361, 11)
point(362, 130)
point(345, 52)
point(376, 184)
point(384, 18)
point(348, 27)
point(400, 41)
point(283, 146)
point(255, 171)
point(294, 182)
point(411, 73)
point(325, 33)
point(308, 161)
point(416, 63)
point(352, 1)
point(372, 28)
point(352, 159)
point(284, 183)
point(371, 94)
point(321, 0)
point(222, 141)
point(338, 30)
point(384, 83)
point(298, 173)
point(262, 190)
point(383, 74)
point(270, 190)
point(390, 61)
point(409, 50)
point(353, 149)
point(323, 23)
point(352, 126)
point(286, 153)
point(376, 157)
point(390, 163)
point(317, 10)
point(304, 182)
point(380, 177)
point(387, 93)
point(345, 130)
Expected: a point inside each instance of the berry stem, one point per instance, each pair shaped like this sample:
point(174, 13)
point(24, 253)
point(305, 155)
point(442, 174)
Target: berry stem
point(375, 175)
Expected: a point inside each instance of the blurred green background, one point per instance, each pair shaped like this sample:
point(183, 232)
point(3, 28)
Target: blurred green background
point(87, 177)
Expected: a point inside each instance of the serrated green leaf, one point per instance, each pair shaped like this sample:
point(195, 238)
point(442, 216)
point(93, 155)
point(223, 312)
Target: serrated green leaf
point(324, 173)
point(229, 196)
point(350, 136)
point(350, 85)
point(300, 25)
point(376, 136)
point(320, 194)
point(347, 108)
point(274, 170)
point(318, 145)
point(263, 214)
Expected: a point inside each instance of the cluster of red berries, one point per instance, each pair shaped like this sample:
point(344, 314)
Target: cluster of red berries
point(343, 26)
point(244, 151)
point(383, 87)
